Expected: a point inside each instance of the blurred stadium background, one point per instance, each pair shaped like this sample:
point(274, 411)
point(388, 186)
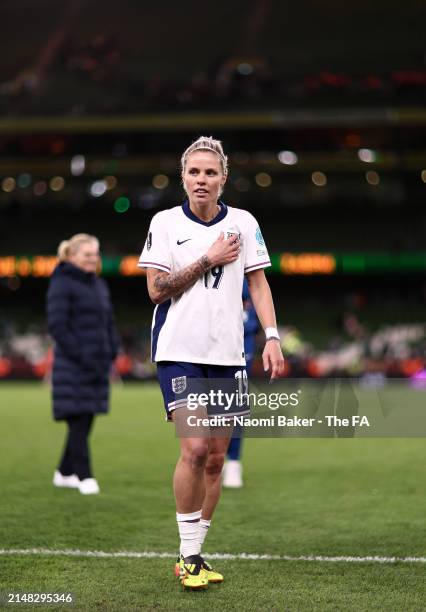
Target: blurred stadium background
point(321, 108)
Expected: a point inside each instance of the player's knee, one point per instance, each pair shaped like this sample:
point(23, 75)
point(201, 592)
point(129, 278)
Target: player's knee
point(215, 463)
point(196, 455)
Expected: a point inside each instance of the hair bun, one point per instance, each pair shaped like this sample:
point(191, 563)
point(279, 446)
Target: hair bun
point(63, 250)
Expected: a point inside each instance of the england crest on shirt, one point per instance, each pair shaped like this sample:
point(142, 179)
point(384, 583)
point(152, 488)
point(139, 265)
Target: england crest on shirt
point(233, 232)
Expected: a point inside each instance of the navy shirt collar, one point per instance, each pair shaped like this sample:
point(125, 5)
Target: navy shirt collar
point(221, 214)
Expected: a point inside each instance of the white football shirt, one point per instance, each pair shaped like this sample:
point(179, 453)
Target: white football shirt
point(205, 323)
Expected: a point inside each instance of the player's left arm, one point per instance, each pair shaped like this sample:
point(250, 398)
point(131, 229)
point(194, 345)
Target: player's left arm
point(261, 296)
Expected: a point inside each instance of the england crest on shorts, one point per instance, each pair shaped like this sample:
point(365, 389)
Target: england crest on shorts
point(179, 384)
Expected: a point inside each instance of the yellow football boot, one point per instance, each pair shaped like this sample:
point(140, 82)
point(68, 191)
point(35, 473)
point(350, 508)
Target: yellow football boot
point(191, 573)
point(212, 575)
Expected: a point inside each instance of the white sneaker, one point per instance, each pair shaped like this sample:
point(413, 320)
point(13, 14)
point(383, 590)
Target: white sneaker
point(89, 486)
point(68, 482)
point(233, 474)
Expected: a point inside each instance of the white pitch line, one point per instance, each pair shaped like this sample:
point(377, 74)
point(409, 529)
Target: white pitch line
point(100, 554)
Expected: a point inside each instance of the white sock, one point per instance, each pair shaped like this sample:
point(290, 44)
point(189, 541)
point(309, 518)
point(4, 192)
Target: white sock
point(188, 525)
point(203, 528)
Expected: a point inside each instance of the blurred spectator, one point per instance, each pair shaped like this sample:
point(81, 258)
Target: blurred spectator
point(80, 319)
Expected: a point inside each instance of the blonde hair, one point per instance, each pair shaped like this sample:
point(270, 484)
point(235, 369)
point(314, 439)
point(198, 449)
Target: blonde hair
point(206, 143)
point(68, 247)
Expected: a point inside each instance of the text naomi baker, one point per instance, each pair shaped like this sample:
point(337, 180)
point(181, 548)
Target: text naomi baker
point(273, 420)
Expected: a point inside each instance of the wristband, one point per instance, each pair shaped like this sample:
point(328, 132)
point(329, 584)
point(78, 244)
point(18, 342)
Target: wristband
point(272, 332)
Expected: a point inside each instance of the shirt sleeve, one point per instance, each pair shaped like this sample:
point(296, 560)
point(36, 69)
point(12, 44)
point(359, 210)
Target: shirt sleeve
point(156, 252)
point(256, 253)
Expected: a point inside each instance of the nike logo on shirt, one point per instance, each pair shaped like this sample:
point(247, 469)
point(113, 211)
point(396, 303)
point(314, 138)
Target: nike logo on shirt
point(183, 241)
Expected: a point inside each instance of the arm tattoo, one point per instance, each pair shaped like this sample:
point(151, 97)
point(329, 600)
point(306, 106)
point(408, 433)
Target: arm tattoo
point(171, 285)
point(204, 263)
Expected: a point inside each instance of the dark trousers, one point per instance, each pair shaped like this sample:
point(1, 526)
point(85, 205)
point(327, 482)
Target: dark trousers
point(76, 455)
point(234, 448)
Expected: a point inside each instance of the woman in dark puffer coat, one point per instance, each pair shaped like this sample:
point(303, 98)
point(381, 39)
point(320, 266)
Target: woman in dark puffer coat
point(81, 322)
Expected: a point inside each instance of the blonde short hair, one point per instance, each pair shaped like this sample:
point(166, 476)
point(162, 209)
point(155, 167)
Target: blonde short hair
point(68, 247)
point(206, 143)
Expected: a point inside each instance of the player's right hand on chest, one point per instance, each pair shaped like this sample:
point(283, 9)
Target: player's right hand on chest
point(224, 251)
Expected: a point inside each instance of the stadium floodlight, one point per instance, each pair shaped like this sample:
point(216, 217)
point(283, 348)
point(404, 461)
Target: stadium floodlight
point(372, 177)
point(57, 183)
point(122, 204)
point(40, 188)
point(98, 188)
point(78, 165)
point(8, 184)
point(288, 158)
point(263, 179)
point(160, 181)
point(24, 180)
point(245, 68)
point(367, 156)
point(319, 179)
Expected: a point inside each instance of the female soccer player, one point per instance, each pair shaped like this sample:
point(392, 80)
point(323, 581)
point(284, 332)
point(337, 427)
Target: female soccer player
point(196, 257)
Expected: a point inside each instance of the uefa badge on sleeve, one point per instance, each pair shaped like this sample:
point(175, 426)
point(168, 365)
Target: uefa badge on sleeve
point(179, 384)
point(259, 237)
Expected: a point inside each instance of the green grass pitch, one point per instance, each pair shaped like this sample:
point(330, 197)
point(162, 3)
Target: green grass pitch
point(331, 497)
